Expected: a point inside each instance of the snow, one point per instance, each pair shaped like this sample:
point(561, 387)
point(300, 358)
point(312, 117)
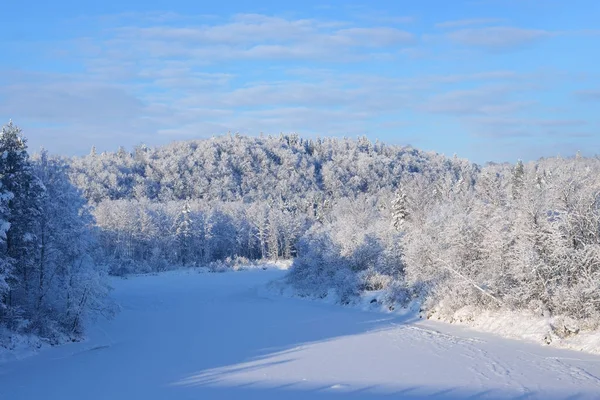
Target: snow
point(15, 346)
point(555, 331)
point(190, 335)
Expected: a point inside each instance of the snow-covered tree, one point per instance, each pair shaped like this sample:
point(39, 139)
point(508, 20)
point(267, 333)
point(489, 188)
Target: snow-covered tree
point(69, 285)
point(399, 209)
point(183, 233)
point(6, 262)
point(50, 282)
point(23, 212)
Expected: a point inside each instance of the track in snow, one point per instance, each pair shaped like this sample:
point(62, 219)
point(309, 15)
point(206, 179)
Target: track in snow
point(212, 336)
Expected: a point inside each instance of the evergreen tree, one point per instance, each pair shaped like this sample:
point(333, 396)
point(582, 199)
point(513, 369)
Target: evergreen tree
point(399, 210)
point(183, 234)
point(6, 263)
point(50, 283)
point(518, 180)
point(23, 210)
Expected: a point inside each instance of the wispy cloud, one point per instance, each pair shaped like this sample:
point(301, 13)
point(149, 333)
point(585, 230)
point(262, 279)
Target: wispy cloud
point(382, 18)
point(253, 36)
point(485, 100)
point(510, 127)
point(68, 100)
point(489, 76)
point(588, 95)
point(499, 37)
point(460, 23)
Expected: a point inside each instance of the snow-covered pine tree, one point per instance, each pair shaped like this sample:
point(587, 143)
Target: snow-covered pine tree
point(518, 180)
point(23, 211)
point(183, 233)
point(399, 209)
point(49, 281)
point(6, 263)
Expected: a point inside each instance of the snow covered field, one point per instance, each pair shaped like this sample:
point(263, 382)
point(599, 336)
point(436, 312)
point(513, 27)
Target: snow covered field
point(184, 335)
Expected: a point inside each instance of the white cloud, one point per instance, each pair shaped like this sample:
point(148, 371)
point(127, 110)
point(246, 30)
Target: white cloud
point(498, 38)
point(588, 95)
point(508, 126)
point(374, 37)
point(467, 22)
point(70, 102)
point(252, 36)
point(489, 100)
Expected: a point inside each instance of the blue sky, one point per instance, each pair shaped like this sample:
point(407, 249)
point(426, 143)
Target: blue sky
point(489, 80)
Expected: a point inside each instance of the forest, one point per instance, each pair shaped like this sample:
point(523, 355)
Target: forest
point(353, 215)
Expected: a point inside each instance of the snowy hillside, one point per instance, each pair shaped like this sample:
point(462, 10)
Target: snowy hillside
point(186, 335)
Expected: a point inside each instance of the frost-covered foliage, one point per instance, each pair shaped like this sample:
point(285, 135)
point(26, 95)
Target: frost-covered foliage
point(50, 283)
point(301, 173)
point(320, 268)
point(202, 201)
point(143, 236)
point(352, 250)
point(358, 216)
point(522, 237)
point(367, 234)
point(6, 263)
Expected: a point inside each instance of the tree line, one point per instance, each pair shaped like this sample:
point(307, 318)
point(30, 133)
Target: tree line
point(231, 197)
point(51, 281)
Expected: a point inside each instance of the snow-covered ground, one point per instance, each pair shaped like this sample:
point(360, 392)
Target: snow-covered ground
point(556, 331)
point(186, 335)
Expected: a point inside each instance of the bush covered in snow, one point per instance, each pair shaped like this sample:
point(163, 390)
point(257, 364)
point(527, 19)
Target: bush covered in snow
point(352, 252)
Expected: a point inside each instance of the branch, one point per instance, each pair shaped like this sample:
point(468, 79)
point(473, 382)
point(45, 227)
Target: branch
point(482, 290)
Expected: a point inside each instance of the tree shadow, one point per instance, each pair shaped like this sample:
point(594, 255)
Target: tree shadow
point(265, 355)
